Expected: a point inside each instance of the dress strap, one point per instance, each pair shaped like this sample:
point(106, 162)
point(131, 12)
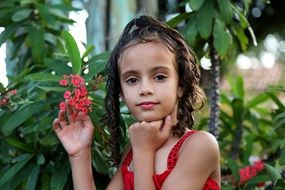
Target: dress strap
point(172, 157)
point(128, 158)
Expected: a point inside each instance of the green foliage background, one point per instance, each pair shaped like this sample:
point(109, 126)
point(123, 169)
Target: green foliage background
point(39, 52)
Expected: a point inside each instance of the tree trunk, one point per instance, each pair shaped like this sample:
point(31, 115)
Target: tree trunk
point(235, 149)
point(97, 23)
point(215, 92)
point(122, 11)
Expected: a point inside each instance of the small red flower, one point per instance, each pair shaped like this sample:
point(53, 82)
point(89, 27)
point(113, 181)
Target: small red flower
point(67, 94)
point(77, 93)
point(12, 92)
point(4, 101)
point(62, 106)
point(63, 82)
point(258, 165)
point(71, 102)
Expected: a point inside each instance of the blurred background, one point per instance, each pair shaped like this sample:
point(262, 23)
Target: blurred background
point(241, 48)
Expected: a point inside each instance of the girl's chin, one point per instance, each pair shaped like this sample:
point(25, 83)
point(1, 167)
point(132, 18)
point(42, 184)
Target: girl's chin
point(150, 118)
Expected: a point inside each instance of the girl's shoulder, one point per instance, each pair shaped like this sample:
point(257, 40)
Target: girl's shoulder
point(201, 143)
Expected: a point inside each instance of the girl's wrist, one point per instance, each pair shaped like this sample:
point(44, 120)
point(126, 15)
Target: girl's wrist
point(143, 153)
point(82, 154)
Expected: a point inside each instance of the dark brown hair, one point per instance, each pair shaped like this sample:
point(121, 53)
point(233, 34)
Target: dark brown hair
point(144, 29)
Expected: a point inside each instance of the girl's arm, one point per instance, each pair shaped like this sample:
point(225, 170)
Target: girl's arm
point(82, 171)
point(76, 137)
point(146, 138)
point(198, 159)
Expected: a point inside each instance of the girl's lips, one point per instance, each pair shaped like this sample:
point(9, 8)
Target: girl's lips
point(147, 105)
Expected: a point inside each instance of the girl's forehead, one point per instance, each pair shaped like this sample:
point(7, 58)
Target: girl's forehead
point(139, 48)
point(146, 55)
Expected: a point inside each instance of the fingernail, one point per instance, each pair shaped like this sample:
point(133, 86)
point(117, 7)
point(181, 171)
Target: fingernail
point(168, 117)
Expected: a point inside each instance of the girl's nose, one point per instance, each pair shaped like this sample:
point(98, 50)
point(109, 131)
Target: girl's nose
point(146, 89)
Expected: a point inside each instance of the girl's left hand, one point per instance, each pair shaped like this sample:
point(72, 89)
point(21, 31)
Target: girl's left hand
point(149, 136)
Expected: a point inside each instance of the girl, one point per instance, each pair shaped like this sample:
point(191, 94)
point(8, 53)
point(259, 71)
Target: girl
point(155, 73)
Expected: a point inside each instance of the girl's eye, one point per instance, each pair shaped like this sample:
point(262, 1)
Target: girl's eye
point(160, 77)
point(131, 80)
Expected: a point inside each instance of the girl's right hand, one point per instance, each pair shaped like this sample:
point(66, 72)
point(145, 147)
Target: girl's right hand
point(149, 136)
point(76, 135)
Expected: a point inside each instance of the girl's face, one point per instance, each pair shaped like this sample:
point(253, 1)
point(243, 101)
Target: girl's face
point(149, 81)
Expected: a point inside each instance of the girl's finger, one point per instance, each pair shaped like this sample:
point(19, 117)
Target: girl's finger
point(56, 126)
point(61, 119)
point(165, 130)
point(85, 119)
point(70, 113)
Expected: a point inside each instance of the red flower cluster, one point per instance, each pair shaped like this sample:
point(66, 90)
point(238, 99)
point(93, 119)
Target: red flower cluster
point(76, 94)
point(7, 95)
point(250, 171)
point(4, 101)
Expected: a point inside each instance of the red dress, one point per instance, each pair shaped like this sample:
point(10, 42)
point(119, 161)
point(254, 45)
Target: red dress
point(128, 176)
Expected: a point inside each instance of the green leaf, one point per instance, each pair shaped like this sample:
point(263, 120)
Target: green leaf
point(238, 109)
point(205, 20)
point(33, 178)
point(279, 184)
point(222, 38)
point(49, 140)
point(257, 100)
point(234, 168)
point(196, 4)
point(36, 39)
point(59, 66)
point(20, 116)
point(43, 77)
point(7, 33)
point(11, 172)
point(276, 100)
point(21, 15)
point(242, 38)
point(25, 2)
point(45, 13)
point(173, 22)
point(73, 52)
point(21, 176)
point(40, 159)
point(282, 157)
point(248, 149)
point(257, 179)
point(45, 181)
point(99, 162)
point(18, 144)
point(227, 187)
point(278, 120)
point(191, 31)
point(89, 49)
point(225, 10)
point(242, 19)
point(273, 173)
point(52, 89)
point(239, 87)
point(2, 89)
point(59, 177)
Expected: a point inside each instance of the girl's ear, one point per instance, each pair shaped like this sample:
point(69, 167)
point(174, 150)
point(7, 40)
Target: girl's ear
point(180, 92)
point(122, 96)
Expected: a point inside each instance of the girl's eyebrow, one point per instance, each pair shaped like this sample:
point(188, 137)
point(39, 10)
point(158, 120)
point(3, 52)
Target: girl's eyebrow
point(128, 73)
point(160, 68)
point(154, 69)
